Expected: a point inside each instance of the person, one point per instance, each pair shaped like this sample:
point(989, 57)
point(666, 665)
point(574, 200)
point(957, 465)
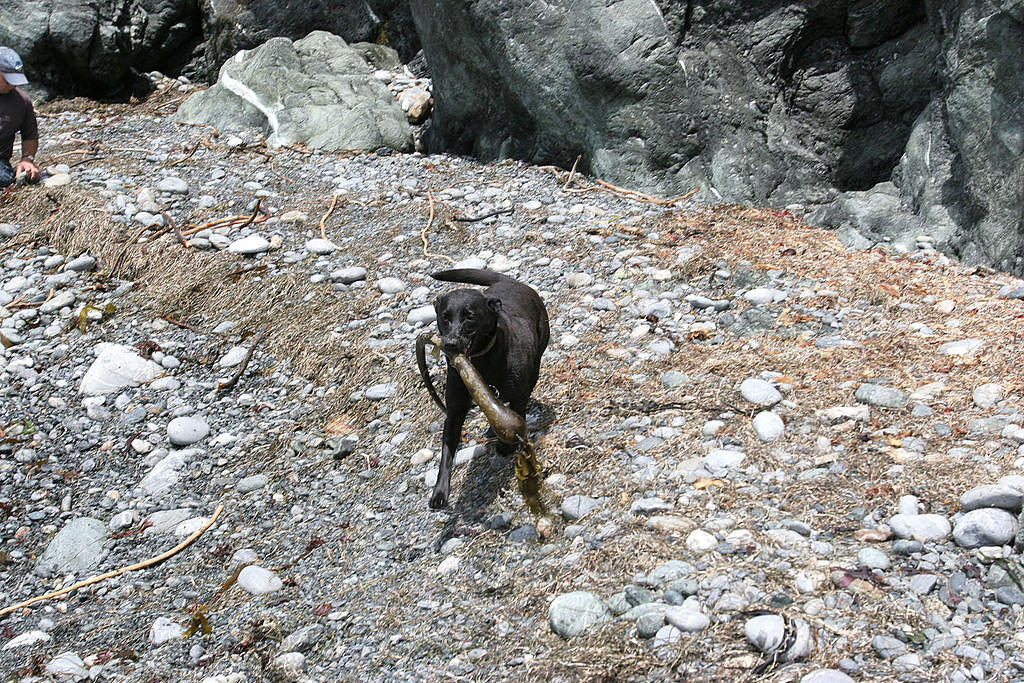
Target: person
point(16, 116)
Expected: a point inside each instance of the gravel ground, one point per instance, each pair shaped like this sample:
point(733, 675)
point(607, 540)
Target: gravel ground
point(766, 457)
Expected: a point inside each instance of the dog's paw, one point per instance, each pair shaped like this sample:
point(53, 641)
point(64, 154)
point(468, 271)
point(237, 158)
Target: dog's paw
point(439, 500)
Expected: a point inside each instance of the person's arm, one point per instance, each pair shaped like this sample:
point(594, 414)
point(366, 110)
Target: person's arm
point(28, 159)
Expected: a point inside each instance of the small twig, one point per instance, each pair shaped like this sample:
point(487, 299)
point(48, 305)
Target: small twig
point(185, 158)
point(572, 171)
point(426, 229)
point(323, 221)
point(177, 230)
point(474, 219)
point(178, 323)
point(140, 150)
point(245, 363)
point(255, 212)
point(117, 572)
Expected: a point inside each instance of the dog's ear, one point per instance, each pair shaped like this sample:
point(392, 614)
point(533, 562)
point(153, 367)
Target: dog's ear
point(494, 303)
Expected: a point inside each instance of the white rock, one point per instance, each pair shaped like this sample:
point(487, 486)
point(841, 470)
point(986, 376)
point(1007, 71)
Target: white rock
point(68, 664)
point(321, 246)
point(768, 426)
point(257, 580)
point(760, 392)
point(164, 629)
point(421, 456)
point(390, 285)
point(250, 245)
point(448, 565)
point(963, 347)
point(765, 632)
point(579, 279)
point(424, 315)
point(27, 638)
point(234, 356)
point(988, 395)
point(700, 541)
point(187, 430)
point(117, 367)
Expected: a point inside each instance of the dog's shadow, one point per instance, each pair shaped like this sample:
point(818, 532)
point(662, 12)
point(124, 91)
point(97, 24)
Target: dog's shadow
point(490, 473)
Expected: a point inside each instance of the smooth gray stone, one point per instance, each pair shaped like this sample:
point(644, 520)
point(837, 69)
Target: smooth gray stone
point(992, 496)
point(76, 548)
point(577, 506)
point(987, 526)
point(572, 613)
point(881, 396)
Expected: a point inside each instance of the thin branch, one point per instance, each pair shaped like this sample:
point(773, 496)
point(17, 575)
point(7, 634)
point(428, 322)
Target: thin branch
point(117, 572)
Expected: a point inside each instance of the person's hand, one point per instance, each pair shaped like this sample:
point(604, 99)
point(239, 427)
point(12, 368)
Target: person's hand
point(26, 166)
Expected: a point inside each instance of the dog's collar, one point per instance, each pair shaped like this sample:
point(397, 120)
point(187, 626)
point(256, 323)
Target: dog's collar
point(486, 349)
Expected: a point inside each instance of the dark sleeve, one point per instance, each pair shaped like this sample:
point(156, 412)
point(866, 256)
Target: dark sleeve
point(29, 129)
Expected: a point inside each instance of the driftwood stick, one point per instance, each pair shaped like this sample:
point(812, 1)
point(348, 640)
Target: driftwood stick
point(474, 219)
point(426, 229)
point(572, 171)
point(323, 221)
point(117, 572)
point(245, 362)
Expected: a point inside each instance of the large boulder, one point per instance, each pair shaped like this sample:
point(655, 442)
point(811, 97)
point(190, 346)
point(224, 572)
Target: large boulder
point(317, 91)
point(98, 47)
point(101, 47)
point(769, 102)
point(896, 117)
point(233, 25)
point(961, 175)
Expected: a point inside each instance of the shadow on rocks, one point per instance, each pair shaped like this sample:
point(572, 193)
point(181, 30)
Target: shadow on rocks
point(489, 474)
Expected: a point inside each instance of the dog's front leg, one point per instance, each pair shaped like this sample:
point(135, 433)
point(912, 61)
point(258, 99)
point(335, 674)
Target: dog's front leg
point(458, 402)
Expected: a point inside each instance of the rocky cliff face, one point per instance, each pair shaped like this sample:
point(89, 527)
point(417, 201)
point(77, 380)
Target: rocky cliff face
point(887, 119)
point(97, 47)
point(894, 116)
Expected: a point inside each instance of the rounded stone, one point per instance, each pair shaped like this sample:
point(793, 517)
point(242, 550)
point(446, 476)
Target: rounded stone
point(988, 395)
point(873, 558)
point(687, 620)
point(881, 396)
point(765, 632)
point(992, 496)
point(187, 430)
point(320, 246)
point(249, 246)
point(768, 426)
point(986, 526)
point(759, 392)
point(700, 541)
point(257, 580)
point(390, 285)
point(576, 507)
point(572, 613)
point(924, 528)
point(347, 276)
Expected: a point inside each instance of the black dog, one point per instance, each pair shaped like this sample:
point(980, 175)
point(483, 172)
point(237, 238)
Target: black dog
point(504, 331)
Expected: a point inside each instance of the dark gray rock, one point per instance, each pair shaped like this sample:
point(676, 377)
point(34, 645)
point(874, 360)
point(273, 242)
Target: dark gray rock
point(903, 109)
point(317, 90)
point(100, 47)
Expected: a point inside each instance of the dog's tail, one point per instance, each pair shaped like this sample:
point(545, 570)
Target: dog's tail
point(470, 276)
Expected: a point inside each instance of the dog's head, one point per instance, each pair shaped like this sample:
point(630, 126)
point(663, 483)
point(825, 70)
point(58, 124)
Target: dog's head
point(467, 320)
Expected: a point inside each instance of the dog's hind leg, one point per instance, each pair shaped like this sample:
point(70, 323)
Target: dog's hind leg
point(458, 402)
